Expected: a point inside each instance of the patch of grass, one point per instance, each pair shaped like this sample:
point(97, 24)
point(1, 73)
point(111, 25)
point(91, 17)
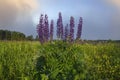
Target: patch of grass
point(59, 61)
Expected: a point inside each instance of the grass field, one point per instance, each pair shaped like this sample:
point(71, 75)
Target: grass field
point(59, 61)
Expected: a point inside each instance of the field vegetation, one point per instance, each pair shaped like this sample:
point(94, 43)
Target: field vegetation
point(59, 60)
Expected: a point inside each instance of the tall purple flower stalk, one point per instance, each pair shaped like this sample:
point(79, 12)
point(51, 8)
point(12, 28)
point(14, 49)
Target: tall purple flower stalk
point(79, 28)
point(46, 28)
point(51, 30)
point(60, 27)
point(44, 34)
point(66, 32)
point(40, 29)
point(72, 28)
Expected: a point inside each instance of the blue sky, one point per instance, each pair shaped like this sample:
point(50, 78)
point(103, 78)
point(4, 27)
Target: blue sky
point(101, 18)
point(98, 22)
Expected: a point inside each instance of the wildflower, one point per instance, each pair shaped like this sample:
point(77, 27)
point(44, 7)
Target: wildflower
point(40, 29)
point(60, 27)
point(66, 32)
point(72, 28)
point(46, 28)
point(79, 28)
point(51, 30)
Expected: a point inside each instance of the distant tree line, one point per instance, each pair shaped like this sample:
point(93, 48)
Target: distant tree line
point(14, 35)
point(66, 33)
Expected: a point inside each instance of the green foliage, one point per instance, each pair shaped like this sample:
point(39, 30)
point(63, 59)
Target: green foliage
point(59, 60)
point(65, 61)
point(15, 36)
point(17, 60)
point(30, 37)
point(11, 35)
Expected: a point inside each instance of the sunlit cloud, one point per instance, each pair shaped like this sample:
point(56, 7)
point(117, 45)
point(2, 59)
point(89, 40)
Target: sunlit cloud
point(17, 14)
point(115, 3)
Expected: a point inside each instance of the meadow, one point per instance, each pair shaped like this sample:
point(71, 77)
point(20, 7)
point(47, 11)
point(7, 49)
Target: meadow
point(58, 60)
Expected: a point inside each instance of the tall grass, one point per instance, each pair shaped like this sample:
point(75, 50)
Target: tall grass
point(59, 61)
point(17, 60)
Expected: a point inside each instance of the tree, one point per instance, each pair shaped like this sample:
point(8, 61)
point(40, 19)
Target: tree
point(11, 35)
point(37, 38)
point(30, 38)
point(72, 28)
point(51, 30)
point(3, 35)
point(60, 27)
point(79, 31)
point(22, 36)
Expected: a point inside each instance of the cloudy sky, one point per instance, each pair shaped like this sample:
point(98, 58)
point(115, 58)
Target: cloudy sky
point(101, 18)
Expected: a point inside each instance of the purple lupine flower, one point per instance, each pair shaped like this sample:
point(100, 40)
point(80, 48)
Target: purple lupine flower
point(79, 28)
point(46, 28)
point(66, 32)
point(60, 27)
point(51, 30)
point(40, 29)
point(72, 28)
